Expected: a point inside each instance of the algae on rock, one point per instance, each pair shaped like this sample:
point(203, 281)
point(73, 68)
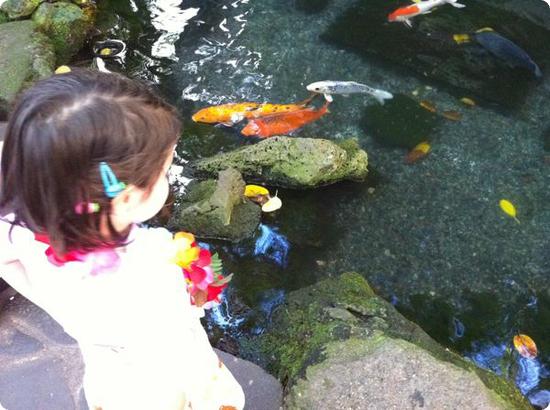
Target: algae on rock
point(218, 210)
point(292, 162)
point(18, 9)
point(340, 327)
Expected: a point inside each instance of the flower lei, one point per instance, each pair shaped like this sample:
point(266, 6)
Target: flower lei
point(201, 269)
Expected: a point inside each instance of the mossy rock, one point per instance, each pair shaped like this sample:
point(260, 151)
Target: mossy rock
point(318, 324)
point(218, 209)
point(18, 9)
point(67, 26)
point(429, 51)
point(291, 162)
point(3, 17)
point(27, 56)
point(401, 122)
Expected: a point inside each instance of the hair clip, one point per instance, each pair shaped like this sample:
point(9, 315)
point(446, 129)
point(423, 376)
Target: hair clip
point(86, 208)
point(111, 185)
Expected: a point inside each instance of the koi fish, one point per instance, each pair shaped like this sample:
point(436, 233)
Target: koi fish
point(404, 14)
point(230, 114)
point(282, 123)
point(347, 87)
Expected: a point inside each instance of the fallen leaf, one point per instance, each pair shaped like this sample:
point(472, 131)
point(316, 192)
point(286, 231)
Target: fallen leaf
point(417, 153)
point(452, 115)
point(509, 209)
point(468, 101)
point(428, 106)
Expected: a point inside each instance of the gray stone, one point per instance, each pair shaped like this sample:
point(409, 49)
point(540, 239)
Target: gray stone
point(25, 56)
point(292, 162)
point(337, 345)
point(218, 209)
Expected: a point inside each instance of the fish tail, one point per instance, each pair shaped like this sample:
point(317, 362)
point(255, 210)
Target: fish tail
point(538, 73)
point(456, 4)
point(381, 95)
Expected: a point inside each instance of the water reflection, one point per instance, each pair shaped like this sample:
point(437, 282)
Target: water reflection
point(272, 245)
point(170, 20)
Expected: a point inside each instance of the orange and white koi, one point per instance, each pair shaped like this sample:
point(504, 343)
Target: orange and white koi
point(230, 114)
point(282, 123)
point(405, 14)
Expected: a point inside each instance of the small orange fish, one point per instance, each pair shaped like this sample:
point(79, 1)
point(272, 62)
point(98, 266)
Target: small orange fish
point(235, 112)
point(452, 115)
point(282, 123)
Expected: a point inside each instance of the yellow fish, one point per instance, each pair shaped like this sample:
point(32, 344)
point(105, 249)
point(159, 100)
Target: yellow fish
point(509, 209)
point(232, 113)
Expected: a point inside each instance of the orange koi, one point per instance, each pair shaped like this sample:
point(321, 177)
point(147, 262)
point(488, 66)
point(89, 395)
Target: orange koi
point(405, 14)
point(282, 123)
point(235, 112)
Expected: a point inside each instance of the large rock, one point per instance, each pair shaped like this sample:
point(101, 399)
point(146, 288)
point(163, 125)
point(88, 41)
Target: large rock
point(337, 345)
point(292, 162)
point(17, 9)
point(67, 26)
point(25, 56)
point(218, 210)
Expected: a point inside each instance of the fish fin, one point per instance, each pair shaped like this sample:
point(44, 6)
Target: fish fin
point(381, 96)
point(227, 124)
point(328, 97)
point(456, 4)
point(408, 23)
point(345, 95)
point(461, 38)
point(308, 99)
point(427, 12)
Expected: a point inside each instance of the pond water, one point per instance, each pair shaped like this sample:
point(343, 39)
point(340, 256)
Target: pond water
point(430, 237)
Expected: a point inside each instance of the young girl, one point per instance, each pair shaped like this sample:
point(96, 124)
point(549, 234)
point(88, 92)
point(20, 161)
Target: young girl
point(84, 160)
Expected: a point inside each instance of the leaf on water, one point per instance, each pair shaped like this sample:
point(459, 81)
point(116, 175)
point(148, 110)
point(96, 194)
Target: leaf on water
point(525, 346)
point(428, 106)
point(468, 101)
point(452, 115)
point(255, 190)
point(417, 153)
point(509, 209)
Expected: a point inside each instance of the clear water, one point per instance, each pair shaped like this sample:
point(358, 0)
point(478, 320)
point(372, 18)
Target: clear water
point(430, 237)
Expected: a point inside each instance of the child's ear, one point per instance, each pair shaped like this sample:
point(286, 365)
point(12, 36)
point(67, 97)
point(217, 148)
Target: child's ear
point(123, 206)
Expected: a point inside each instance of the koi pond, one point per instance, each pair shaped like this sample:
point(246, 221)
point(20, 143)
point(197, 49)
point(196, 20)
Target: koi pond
point(429, 236)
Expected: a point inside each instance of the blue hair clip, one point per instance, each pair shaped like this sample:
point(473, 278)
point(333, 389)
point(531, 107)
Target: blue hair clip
point(111, 184)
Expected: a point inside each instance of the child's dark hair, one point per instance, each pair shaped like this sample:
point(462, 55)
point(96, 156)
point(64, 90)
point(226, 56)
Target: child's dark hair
point(58, 133)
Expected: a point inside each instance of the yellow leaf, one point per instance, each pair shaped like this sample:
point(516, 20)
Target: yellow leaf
point(525, 346)
point(62, 69)
point(452, 115)
point(255, 190)
point(461, 38)
point(509, 209)
point(424, 147)
point(428, 106)
point(468, 101)
point(105, 52)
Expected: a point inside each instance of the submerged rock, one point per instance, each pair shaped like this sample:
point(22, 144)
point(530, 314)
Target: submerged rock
point(218, 210)
point(27, 56)
point(337, 343)
point(429, 51)
point(67, 26)
point(401, 122)
point(292, 162)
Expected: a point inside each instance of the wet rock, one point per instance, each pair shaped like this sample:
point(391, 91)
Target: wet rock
point(292, 162)
point(17, 9)
point(429, 51)
point(67, 26)
point(27, 56)
point(401, 122)
point(218, 209)
point(382, 360)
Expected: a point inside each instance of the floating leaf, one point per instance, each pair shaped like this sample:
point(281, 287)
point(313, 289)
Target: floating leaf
point(509, 209)
point(273, 204)
point(468, 101)
point(417, 153)
point(255, 190)
point(525, 346)
point(452, 115)
point(63, 69)
point(428, 106)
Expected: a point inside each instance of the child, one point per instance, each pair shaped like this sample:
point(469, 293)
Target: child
point(85, 158)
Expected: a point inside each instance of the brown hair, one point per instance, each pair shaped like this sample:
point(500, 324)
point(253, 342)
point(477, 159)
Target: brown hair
point(58, 133)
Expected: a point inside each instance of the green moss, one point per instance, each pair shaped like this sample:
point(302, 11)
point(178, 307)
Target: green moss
point(3, 17)
point(17, 9)
point(66, 25)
